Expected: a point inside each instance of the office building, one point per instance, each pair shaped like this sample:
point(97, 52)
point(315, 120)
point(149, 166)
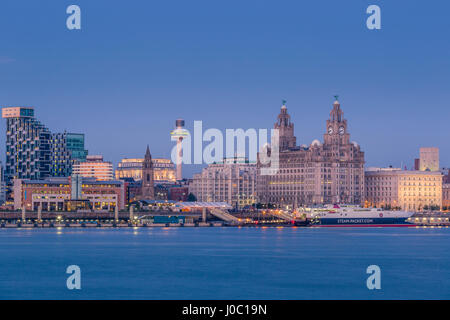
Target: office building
point(94, 167)
point(28, 145)
point(54, 194)
point(33, 152)
point(409, 190)
point(318, 173)
point(67, 149)
point(446, 190)
point(232, 181)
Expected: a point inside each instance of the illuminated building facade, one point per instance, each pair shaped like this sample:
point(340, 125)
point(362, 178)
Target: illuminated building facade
point(163, 170)
point(94, 167)
point(321, 173)
point(407, 190)
point(446, 191)
point(2, 185)
point(53, 194)
point(28, 145)
point(233, 181)
point(33, 152)
point(446, 196)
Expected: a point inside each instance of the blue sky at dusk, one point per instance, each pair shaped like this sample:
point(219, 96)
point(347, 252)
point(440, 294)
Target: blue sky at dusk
point(136, 66)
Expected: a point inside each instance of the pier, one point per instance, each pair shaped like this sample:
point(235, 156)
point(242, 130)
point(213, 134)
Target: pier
point(206, 217)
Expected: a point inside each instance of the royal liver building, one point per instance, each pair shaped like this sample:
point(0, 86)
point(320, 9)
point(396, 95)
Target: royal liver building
point(321, 173)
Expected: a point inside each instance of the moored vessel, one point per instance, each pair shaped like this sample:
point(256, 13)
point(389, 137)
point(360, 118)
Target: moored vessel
point(354, 215)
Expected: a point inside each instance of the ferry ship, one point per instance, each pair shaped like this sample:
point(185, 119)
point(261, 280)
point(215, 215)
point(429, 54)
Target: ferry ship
point(353, 215)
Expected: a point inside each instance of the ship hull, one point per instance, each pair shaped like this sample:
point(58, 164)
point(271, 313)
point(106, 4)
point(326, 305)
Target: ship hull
point(368, 222)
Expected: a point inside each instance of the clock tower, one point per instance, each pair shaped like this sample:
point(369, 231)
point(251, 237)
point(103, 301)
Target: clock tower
point(286, 129)
point(336, 133)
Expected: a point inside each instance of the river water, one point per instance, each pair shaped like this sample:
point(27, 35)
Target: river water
point(225, 263)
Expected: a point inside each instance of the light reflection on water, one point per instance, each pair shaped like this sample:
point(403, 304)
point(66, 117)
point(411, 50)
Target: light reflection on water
point(225, 263)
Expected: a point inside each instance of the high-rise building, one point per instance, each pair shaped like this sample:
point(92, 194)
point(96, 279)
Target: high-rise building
point(28, 145)
point(2, 185)
point(232, 181)
point(163, 170)
point(148, 187)
point(409, 190)
point(67, 149)
point(429, 159)
point(94, 167)
point(321, 173)
point(33, 152)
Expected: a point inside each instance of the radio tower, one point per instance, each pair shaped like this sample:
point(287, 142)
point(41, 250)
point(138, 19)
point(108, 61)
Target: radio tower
point(178, 135)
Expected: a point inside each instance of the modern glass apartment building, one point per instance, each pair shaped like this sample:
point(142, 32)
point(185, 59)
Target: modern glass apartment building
point(28, 145)
point(67, 148)
point(33, 152)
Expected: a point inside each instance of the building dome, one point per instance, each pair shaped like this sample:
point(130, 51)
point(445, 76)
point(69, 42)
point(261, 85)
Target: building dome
point(304, 146)
point(316, 143)
point(355, 144)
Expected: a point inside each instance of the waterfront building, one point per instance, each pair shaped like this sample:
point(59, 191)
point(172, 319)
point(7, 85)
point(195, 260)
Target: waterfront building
point(147, 187)
point(178, 193)
point(28, 145)
point(163, 170)
point(232, 181)
point(2, 185)
point(446, 196)
point(321, 173)
point(446, 190)
point(54, 193)
point(67, 149)
point(409, 190)
point(33, 152)
point(94, 167)
point(429, 159)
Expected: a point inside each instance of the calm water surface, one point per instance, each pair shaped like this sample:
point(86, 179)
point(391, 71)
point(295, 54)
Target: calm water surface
point(225, 263)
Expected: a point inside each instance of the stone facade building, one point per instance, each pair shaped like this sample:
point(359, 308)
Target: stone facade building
point(410, 190)
point(446, 191)
point(233, 181)
point(163, 169)
point(321, 173)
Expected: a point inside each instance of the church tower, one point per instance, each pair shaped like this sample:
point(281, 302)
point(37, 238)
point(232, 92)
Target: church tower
point(147, 188)
point(336, 127)
point(286, 129)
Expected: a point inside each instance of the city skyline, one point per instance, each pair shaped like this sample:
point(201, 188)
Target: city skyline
point(126, 76)
point(194, 169)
